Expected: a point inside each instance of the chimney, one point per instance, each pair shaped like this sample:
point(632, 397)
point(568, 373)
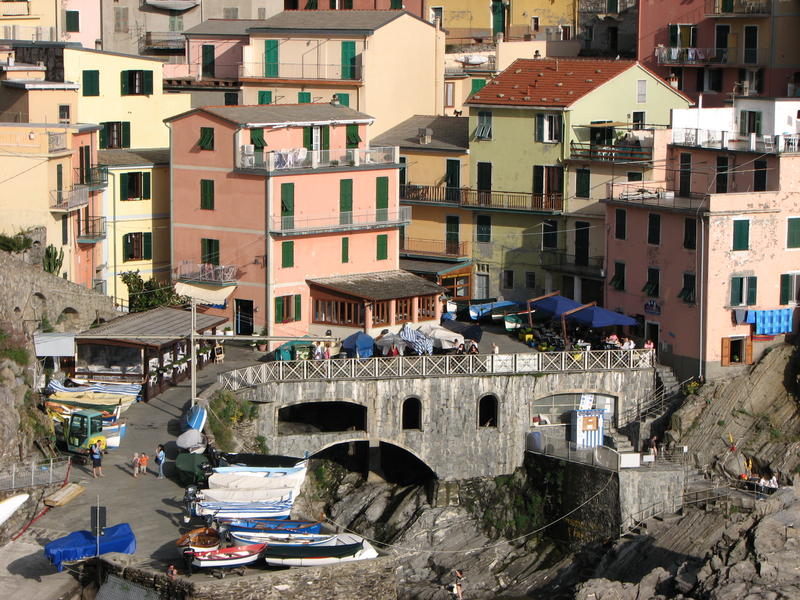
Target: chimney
point(425, 134)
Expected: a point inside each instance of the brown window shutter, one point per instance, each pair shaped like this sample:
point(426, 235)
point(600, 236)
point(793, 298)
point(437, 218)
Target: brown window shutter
point(726, 352)
point(748, 350)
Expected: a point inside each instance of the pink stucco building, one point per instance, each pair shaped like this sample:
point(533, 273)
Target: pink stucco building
point(707, 258)
point(82, 22)
point(295, 220)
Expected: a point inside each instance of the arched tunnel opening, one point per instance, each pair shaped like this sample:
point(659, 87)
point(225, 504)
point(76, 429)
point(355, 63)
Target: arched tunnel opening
point(312, 417)
point(392, 463)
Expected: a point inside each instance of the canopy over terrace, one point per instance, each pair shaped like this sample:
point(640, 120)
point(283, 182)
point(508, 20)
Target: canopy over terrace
point(371, 302)
point(119, 355)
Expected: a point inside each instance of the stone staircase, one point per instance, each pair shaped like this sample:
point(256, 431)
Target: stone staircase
point(666, 381)
point(621, 441)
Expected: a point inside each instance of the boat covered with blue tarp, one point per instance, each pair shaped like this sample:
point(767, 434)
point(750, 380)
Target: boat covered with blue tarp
point(83, 544)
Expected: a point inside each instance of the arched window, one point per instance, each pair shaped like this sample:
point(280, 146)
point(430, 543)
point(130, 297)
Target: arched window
point(412, 413)
point(487, 411)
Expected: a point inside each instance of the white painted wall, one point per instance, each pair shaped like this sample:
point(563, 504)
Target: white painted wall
point(717, 119)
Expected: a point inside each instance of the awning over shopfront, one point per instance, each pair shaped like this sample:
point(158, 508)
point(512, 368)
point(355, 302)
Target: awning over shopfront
point(432, 267)
point(213, 295)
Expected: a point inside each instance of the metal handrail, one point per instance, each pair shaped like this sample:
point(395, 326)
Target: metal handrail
point(652, 404)
point(36, 473)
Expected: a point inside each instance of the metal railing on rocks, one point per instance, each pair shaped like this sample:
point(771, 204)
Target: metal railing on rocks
point(36, 473)
point(437, 366)
point(601, 457)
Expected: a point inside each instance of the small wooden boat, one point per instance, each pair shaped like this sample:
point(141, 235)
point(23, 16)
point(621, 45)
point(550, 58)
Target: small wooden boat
point(344, 547)
point(250, 525)
point(512, 322)
point(478, 311)
point(236, 556)
point(196, 417)
point(281, 538)
point(11, 505)
point(201, 539)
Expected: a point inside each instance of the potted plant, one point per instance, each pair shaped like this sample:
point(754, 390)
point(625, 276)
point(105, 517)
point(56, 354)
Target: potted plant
point(261, 344)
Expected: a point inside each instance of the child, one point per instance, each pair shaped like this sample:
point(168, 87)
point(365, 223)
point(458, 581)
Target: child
point(143, 460)
point(135, 464)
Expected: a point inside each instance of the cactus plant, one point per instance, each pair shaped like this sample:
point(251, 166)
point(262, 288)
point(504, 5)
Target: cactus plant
point(53, 260)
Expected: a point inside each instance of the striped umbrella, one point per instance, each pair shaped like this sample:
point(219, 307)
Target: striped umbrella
point(419, 342)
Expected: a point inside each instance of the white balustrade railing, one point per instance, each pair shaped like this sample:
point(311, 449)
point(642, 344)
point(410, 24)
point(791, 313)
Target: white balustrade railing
point(437, 366)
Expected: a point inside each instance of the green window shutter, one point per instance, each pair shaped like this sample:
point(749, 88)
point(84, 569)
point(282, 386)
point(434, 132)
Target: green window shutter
point(206, 138)
point(741, 234)
point(278, 309)
point(123, 186)
point(352, 136)
point(396, 5)
point(348, 60)
point(257, 138)
point(345, 250)
point(382, 247)
point(758, 123)
point(103, 135)
point(287, 206)
point(123, 83)
point(148, 82)
point(214, 251)
point(582, 186)
point(539, 133)
point(287, 254)
point(477, 85)
point(73, 21)
point(344, 99)
point(308, 138)
point(345, 201)
point(673, 36)
point(311, 5)
point(743, 122)
point(264, 97)
point(298, 307)
point(382, 198)
point(207, 194)
point(325, 137)
point(793, 233)
point(126, 134)
point(786, 289)
point(91, 83)
point(752, 283)
point(147, 245)
point(145, 186)
point(127, 247)
point(538, 179)
point(484, 223)
point(737, 291)
point(304, 97)
point(270, 58)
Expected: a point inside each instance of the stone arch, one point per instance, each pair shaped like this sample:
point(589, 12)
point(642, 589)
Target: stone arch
point(364, 439)
point(321, 417)
point(488, 410)
point(562, 401)
point(411, 414)
point(69, 318)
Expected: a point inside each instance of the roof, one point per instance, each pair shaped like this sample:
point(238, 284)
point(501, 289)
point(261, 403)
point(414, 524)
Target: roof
point(448, 133)
point(432, 267)
point(133, 157)
point(244, 115)
point(172, 323)
point(548, 82)
point(71, 46)
point(224, 27)
point(331, 21)
point(380, 285)
point(40, 84)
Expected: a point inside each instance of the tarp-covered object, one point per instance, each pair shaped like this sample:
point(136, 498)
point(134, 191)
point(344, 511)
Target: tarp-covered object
point(442, 338)
point(470, 332)
point(119, 389)
point(596, 316)
point(419, 342)
point(387, 340)
point(358, 345)
point(190, 438)
point(82, 544)
point(293, 350)
point(190, 467)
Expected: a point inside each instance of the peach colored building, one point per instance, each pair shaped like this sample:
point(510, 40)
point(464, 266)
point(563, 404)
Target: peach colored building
point(706, 258)
point(293, 219)
point(82, 22)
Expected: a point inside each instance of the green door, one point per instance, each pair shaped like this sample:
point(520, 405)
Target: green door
point(498, 17)
point(348, 60)
point(208, 60)
point(270, 58)
point(451, 235)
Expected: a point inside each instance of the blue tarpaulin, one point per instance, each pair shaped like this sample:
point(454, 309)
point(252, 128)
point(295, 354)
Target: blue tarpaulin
point(82, 544)
point(358, 345)
point(773, 322)
point(554, 306)
point(596, 316)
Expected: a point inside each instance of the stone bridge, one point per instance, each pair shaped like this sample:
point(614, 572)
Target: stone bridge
point(462, 416)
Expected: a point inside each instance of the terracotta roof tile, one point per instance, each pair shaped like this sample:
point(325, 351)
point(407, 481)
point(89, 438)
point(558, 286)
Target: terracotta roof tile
point(548, 81)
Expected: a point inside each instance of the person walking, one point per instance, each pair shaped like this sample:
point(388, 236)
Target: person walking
point(97, 460)
point(160, 458)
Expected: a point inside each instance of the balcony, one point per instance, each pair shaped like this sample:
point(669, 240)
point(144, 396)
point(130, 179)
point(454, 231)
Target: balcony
point(574, 264)
point(654, 194)
point(70, 199)
point(95, 178)
point(301, 158)
point(191, 272)
point(738, 8)
point(434, 248)
point(92, 230)
point(56, 142)
point(14, 9)
point(304, 71)
point(343, 221)
point(616, 153)
point(161, 41)
point(730, 140)
point(482, 199)
point(701, 57)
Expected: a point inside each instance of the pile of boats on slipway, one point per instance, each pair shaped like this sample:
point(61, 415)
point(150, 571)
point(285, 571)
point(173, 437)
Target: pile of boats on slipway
point(247, 513)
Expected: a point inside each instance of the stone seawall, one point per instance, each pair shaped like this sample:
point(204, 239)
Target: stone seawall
point(32, 507)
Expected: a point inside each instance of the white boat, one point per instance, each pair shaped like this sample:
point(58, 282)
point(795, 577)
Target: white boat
point(261, 481)
point(235, 556)
point(263, 471)
point(279, 509)
point(10, 505)
point(344, 547)
point(473, 59)
point(281, 538)
point(251, 495)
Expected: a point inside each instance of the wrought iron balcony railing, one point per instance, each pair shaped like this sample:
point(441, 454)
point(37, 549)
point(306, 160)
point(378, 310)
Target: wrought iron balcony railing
point(343, 221)
point(482, 199)
point(302, 158)
point(611, 153)
point(69, 199)
point(205, 273)
point(92, 230)
point(439, 248)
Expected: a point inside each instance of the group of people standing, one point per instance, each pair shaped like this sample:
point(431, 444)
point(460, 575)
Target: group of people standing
point(141, 460)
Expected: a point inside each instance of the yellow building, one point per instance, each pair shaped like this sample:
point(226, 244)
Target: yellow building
point(122, 93)
point(31, 20)
point(136, 203)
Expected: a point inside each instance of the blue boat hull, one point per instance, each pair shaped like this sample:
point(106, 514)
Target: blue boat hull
point(196, 417)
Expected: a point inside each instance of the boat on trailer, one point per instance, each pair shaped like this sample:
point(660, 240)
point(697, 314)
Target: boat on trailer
point(274, 525)
point(277, 509)
point(281, 538)
point(201, 539)
point(344, 547)
point(223, 558)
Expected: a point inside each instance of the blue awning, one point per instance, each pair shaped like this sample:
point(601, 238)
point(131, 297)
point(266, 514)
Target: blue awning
point(597, 316)
point(555, 306)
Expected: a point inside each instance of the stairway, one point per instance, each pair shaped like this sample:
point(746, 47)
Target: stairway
point(666, 379)
point(621, 441)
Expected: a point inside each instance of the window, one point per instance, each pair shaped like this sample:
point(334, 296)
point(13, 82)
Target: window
point(271, 64)
point(635, 176)
point(547, 181)
point(582, 186)
point(304, 97)
point(549, 234)
point(449, 94)
point(654, 229)
point(338, 312)
point(508, 279)
point(690, 233)
point(381, 198)
point(437, 15)
point(790, 288)
point(257, 139)
point(743, 291)
point(620, 224)
point(345, 201)
point(749, 122)
point(530, 279)
point(64, 230)
point(343, 99)
point(736, 350)
point(638, 119)
point(349, 60)
point(288, 308)
point(456, 286)
point(484, 229)
point(262, 13)
point(741, 234)
point(63, 113)
point(566, 32)
point(618, 280)
point(484, 129)
point(137, 246)
point(206, 141)
point(722, 175)
point(793, 232)
point(209, 251)
point(136, 83)
point(345, 250)
point(687, 293)
point(207, 194)
point(91, 83)
point(487, 411)
point(760, 176)
point(264, 97)
point(709, 80)
point(682, 36)
point(115, 134)
point(477, 85)
point(287, 206)
point(72, 21)
point(651, 287)
point(612, 6)
point(120, 19)
point(588, 34)
point(287, 254)
point(382, 247)
point(548, 128)
point(353, 139)
point(641, 91)
point(412, 414)
point(175, 22)
point(231, 98)
point(134, 186)
point(231, 12)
